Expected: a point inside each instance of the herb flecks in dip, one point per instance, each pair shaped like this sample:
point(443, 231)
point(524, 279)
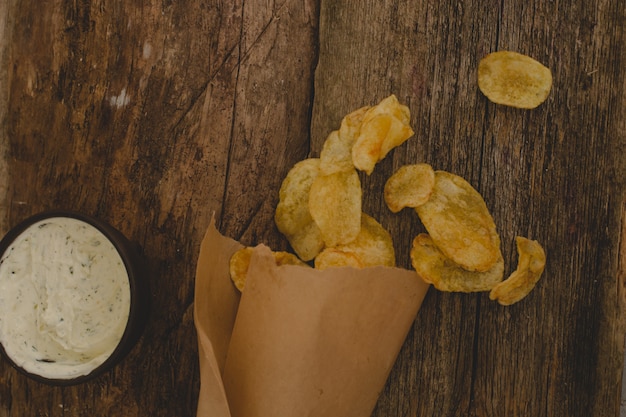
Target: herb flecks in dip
point(64, 298)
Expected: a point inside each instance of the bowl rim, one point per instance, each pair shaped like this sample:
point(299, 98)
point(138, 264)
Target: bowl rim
point(139, 292)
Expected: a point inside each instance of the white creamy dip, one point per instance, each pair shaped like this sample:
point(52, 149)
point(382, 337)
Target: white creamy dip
point(64, 298)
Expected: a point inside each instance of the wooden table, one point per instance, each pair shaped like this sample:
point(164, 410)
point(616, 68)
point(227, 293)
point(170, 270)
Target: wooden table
point(154, 115)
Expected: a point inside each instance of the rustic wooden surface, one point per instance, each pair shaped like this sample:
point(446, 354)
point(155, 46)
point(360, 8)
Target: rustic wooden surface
point(155, 115)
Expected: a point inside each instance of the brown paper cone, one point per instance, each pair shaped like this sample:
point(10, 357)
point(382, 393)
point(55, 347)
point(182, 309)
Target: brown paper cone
point(215, 307)
point(303, 342)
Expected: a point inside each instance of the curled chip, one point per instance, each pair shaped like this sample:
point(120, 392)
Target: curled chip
point(383, 127)
point(238, 267)
point(336, 154)
point(351, 124)
point(335, 206)
point(373, 246)
point(530, 266)
point(240, 262)
point(458, 221)
point(514, 79)
point(434, 267)
point(292, 216)
point(409, 186)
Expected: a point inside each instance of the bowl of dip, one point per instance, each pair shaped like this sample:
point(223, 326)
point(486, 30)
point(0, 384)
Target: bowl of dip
point(73, 298)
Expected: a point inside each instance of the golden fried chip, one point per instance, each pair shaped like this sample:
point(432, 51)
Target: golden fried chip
point(240, 262)
point(336, 154)
point(351, 125)
point(458, 221)
point(293, 206)
point(530, 266)
point(409, 186)
point(367, 150)
point(335, 206)
point(307, 243)
point(513, 79)
point(333, 257)
point(286, 258)
point(373, 246)
point(292, 216)
point(383, 127)
point(434, 267)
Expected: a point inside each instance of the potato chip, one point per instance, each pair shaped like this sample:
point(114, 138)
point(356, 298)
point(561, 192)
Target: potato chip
point(367, 151)
point(335, 206)
point(307, 243)
point(383, 127)
point(373, 246)
point(286, 258)
point(336, 154)
point(458, 221)
point(240, 262)
point(434, 267)
point(409, 186)
point(293, 204)
point(351, 125)
point(292, 216)
point(333, 257)
point(530, 266)
point(513, 79)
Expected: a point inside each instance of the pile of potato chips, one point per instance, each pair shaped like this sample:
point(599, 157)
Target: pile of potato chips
point(320, 214)
point(320, 199)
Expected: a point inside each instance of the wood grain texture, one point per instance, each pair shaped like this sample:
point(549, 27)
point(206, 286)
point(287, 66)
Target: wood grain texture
point(155, 115)
point(6, 30)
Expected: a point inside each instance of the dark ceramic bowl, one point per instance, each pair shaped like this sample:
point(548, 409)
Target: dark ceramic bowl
point(138, 296)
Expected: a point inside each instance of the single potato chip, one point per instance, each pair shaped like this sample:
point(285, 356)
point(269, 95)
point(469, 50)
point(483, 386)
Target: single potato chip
point(240, 262)
point(333, 257)
point(286, 258)
point(373, 246)
point(292, 216)
point(293, 205)
point(409, 186)
point(335, 206)
point(530, 266)
point(336, 154)
point(458, 221)
point(307, 243)
point(351, 125)
point(384, 127)
point(513, 79)
point(434, 267)
point(367, 150)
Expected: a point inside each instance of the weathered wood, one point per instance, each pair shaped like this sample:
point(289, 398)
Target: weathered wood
point(6, 29)
point(155, 115)
point(555, 174)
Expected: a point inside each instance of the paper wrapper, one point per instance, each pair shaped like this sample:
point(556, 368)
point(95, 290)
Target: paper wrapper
point(298, 341)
